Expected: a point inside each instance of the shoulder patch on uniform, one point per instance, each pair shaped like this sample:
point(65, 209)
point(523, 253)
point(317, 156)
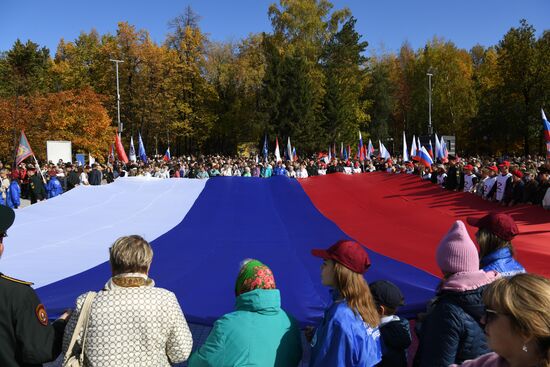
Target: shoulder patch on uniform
point(41, 314)
point(15, 280)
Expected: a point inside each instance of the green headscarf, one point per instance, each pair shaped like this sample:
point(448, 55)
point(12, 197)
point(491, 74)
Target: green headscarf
point(254, 275)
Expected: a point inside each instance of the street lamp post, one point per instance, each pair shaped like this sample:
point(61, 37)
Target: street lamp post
point(118, 96)
point(430, 129)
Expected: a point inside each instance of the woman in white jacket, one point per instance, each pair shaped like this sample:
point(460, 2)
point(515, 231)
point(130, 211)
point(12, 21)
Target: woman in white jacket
point(132, 323)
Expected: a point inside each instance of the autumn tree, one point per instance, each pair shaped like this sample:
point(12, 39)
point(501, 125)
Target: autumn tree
point(296, 89)
point(76, 115)
point(236, 72)
point(524, 71)
point(346, 80)
point(191, 115)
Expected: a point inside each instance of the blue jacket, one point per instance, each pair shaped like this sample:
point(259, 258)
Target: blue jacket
point(344, 340)
point(502, 261)
point(451, 332)
point(14, 195)
point(54, 188)
point(279, 171)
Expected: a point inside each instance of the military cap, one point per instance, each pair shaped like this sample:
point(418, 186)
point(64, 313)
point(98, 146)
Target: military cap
point(7, 216)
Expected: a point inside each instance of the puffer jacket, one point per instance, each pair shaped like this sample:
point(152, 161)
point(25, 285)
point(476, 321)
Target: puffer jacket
point(396, 339)
point(14, 195)
point(451, 331)
point(54, 188)
point(502, 261)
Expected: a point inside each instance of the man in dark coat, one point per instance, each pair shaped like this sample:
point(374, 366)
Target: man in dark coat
point(95, 176)
point(335, 167)
point(517, 191)
point(28, 338)
point(72, 177)
point(312, 168)
point(37, 190)
point(544, 185)
point(453, 175)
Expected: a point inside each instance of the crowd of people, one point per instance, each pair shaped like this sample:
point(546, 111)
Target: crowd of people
point(487, 311)
point(508, 181)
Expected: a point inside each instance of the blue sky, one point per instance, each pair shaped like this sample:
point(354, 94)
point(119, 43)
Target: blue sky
point(385, 24)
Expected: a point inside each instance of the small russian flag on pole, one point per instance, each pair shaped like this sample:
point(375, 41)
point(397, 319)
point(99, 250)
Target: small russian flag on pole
point(425, 157)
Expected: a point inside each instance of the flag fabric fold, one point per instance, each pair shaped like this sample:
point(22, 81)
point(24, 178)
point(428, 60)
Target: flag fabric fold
point(277, 151)
point(438, 154)
point(546, 126)
point(444, 151)
point(120, 150)
point(141, 149)
point(167, 155)
point(383, 152)
point(23, 150)
point(405, 151)
point(425, 157)
point(289, 149)
point(361, 152)
point(546, 133)
point(111, 157)
point(370, 150)
point(265, 150)
point(132, 152)
point(430, 149)
point(414, 149)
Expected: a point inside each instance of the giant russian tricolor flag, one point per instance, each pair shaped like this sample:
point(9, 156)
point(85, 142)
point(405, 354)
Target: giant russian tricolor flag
point(201, 229)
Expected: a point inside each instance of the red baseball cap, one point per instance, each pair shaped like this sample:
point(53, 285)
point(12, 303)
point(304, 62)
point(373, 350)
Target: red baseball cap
point(469, 167)
point(502, 225)
point(493, 168)
point(348, 253)
point(504, 164)
point(518, 173)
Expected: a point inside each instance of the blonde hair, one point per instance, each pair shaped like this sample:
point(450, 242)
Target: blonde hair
point(525, 299)
point(489, 242)
point(354, 288)
point(130, 254)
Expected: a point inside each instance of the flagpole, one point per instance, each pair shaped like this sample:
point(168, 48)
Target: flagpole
point(117, 96)
point(38, 168)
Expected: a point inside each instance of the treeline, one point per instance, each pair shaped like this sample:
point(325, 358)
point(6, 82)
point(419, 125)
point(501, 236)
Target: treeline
point(310, 79)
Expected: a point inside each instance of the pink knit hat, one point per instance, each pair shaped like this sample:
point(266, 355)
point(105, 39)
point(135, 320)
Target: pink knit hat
point(456, 252)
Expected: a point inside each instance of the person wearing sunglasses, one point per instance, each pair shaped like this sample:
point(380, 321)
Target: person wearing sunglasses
point(517, 323)
point(27, 337)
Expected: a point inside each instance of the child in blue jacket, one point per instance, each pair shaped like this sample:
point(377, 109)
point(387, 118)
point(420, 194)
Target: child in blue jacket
point(14, 195)
point(348, 335)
